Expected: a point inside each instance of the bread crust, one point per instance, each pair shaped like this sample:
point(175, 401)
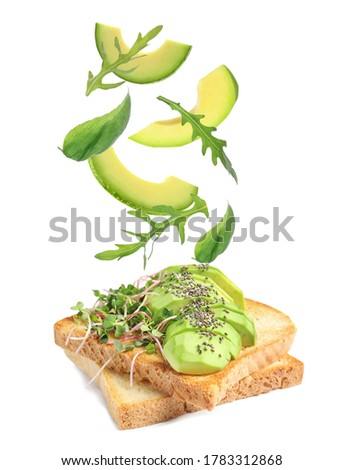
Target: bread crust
point(275, 334)
point(141, 405)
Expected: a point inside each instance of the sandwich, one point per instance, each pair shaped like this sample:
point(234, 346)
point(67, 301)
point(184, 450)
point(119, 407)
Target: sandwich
point(178, 341)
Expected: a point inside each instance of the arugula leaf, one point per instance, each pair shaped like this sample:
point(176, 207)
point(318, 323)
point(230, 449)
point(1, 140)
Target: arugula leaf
point(95, 82)
point(97, 135)
point(209, 141)
point(215, 241)
point(176, 218)
point(123, 250)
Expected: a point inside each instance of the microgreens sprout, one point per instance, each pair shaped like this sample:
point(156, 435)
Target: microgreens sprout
point(165, 321)
point(102, 368)
point(89, 326)
point(133, 364)
point(122, 319)
point(69, 337)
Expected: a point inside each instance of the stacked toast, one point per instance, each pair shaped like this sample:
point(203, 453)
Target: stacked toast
point(159, 393)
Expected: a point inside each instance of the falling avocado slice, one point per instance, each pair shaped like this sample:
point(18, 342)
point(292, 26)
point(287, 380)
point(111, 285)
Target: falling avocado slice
point(136, 192)
point(217, 93)
point(151, 67)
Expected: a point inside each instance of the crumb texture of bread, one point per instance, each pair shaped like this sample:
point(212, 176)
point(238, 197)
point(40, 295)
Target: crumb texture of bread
point(141, 405)
point(275, 334)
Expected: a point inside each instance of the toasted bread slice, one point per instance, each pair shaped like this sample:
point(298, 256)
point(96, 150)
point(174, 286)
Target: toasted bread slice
point(141, 405)
point(275, 334)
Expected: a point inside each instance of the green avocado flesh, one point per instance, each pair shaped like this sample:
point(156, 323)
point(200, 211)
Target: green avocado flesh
point(151, 67)
point(217, 94)
point(242, 323)
point(213, 274)
point(210, 326)
point(220, 328)
point(187, 353)
point(136, 192)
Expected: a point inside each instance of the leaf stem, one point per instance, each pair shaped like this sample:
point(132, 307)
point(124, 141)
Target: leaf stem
point(95, 82)
point(209, 141)
point(177, 219)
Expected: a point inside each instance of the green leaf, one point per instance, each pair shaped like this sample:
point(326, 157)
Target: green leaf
point(103, 308)
point(118, 345)
point(199, 205)
point(163, 209)
point(177, 219)
point(109, 322)
point(209, 141)
point(97, 135)
point(95, 82)
point(180, 225)
point(120, 330)
point(79, 306)
point(216, 240)
point(143, 41)
point(84, 315)
point(103, 338)
point(122, 250)
point(98, 294)
point(150, 348)
point(140, 213)
point(156, 333)
point(166, 312)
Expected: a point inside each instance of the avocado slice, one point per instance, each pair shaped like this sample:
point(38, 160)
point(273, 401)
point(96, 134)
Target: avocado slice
point(217, 94)
point(136, 192)
point(174, 294)
point(209, 323)
point(206, 280)
point(220, 328)
point(241, 322)
point(171, 301)
point(191, 353)
point(151, 67)
point(216, 276)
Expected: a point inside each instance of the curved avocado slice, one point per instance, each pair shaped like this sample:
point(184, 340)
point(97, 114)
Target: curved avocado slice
point(240, 322)
point(215, 275)
point(151, 67)
point(191, 353)
point(224, 295)
point(170, 301)
point(136, 192)
point(221, 328)
point(217, 94)
point(175, 301)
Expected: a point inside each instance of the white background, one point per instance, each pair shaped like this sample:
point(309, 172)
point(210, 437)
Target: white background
point(285, 140)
